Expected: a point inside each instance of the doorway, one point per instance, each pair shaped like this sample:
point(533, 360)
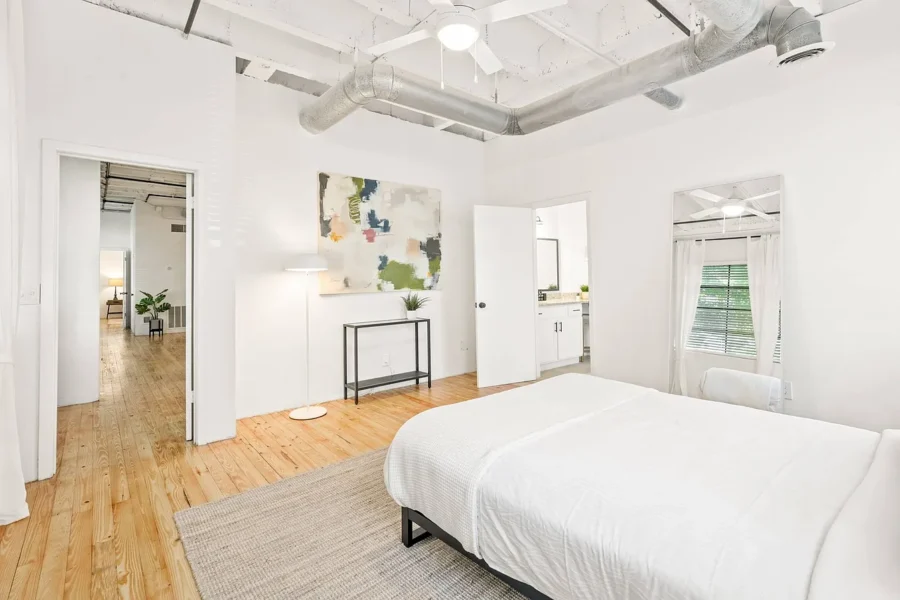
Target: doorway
point(563, 288)
point(116, 186)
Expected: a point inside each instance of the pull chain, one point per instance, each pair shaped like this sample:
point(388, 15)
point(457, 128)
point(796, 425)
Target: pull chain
point(442, 66)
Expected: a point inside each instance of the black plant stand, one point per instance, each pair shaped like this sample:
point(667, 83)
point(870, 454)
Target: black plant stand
point(366, 384)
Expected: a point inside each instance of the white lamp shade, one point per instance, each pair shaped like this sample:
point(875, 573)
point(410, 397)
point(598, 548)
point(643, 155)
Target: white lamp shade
point(306, 263)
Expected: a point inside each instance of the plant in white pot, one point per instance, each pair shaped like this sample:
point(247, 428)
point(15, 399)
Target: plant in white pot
point(584, 292)
point(153, 305)
point(413, 302)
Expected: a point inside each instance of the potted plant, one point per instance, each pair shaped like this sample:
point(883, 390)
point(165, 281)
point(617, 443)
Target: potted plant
point(584, 292)
point(153, 305)
point(413, 302)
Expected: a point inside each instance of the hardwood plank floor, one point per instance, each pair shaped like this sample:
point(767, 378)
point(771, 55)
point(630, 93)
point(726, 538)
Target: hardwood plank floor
point(103, 527)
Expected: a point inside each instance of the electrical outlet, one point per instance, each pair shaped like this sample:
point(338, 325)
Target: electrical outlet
point(386, 360)
point(787, 390)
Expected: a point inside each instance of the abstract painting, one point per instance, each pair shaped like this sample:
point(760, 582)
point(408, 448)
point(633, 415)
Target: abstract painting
point(378, 236)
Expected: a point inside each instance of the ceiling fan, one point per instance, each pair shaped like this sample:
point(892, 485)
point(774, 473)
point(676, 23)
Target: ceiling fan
point(459, 28)
point(731, 207)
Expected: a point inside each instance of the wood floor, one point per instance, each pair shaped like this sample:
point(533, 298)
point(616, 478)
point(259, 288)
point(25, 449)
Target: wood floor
point(103, 527)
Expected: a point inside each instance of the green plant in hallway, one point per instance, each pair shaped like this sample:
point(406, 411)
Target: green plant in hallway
point(584, 292)
point(153, 305)
point(413, 302)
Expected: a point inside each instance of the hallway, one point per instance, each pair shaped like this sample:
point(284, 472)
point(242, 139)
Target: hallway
point(103, 527)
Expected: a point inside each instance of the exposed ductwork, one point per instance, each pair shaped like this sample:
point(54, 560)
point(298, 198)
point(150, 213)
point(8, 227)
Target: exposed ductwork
point(740, 27)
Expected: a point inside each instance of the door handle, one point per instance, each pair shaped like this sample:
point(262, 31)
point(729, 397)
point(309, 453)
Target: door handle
point(481, 305)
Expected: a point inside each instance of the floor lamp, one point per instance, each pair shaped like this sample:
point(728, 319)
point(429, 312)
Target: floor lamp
point(307, 263)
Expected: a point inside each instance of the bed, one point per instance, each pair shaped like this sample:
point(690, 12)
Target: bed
point(580, 487)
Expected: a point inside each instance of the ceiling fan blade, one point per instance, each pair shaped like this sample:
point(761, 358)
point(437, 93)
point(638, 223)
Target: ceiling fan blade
point(706, 213)
point(514, 8)
point(399, 42)
point(485, 57)
point(761, 196)
point(708, 196)
point(761, 215)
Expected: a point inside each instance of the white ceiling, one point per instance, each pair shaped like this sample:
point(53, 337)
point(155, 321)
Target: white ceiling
point(123, 185)
point(315, 42)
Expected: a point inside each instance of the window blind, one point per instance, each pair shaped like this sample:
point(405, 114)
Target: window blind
point(724, 322)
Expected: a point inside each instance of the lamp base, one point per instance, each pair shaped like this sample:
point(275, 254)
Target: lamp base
point(305, 413)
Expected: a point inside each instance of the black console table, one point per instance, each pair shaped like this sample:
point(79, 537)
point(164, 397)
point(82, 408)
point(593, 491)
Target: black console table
point(367, 384)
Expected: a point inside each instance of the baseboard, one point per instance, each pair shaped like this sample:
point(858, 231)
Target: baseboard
point(560, 363)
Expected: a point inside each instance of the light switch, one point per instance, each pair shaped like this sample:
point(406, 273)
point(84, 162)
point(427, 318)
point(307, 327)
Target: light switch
point(30, 295)
point(787, 390)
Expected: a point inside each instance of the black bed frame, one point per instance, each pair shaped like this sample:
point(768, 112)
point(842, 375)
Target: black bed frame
point(409, 517)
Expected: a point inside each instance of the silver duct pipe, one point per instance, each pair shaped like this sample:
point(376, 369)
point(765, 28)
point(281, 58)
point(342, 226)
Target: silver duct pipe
point(785, 27)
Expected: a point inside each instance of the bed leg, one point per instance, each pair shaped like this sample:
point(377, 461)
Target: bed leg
point(406, 529)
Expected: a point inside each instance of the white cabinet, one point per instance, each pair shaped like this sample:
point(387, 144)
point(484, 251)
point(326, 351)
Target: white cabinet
point(560, 336)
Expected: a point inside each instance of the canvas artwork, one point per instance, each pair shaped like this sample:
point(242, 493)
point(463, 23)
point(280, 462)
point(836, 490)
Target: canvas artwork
point(378, 236)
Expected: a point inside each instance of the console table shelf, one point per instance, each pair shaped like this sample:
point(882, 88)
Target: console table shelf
point(366, 384)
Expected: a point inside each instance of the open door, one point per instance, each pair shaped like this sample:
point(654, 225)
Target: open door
point(126, 290)
point(189, 309)
point(505, 295)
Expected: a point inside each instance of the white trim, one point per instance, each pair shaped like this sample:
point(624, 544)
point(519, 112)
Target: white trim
point(51, 152)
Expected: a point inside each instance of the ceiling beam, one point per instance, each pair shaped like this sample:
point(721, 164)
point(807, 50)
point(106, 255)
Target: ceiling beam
point(376, 7)
point(259, 70)
point(559, 30)
point(272, 20)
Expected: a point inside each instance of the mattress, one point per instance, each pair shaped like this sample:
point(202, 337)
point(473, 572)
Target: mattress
point(588, 488)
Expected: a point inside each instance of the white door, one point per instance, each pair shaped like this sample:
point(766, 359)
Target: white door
point(126, 297)
point(505, 295)
point(189, 309)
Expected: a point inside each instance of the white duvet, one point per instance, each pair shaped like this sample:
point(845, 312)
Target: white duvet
point(589, 488)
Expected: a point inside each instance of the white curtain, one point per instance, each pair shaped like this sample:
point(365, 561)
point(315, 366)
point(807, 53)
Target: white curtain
point(764, 270)
point(688, 276)
point(12, 483)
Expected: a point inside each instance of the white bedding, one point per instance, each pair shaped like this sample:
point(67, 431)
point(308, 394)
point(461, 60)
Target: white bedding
point(588, 488)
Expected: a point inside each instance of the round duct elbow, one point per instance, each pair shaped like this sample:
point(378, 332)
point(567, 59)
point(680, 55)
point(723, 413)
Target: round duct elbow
point(796, 35)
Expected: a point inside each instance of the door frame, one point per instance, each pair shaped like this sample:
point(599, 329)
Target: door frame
point(51, 153)
point(561, 201)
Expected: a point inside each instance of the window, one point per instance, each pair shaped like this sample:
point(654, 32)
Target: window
point(723, 323)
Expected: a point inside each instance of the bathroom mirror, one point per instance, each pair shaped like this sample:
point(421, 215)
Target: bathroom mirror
point(726, 293)
point(547, 264)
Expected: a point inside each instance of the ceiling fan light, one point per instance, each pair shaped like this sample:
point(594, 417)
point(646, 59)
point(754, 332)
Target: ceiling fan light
point(733, 210)
point(458, 30)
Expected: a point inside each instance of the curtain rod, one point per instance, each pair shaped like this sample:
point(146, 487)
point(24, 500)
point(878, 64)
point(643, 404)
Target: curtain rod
point(740, 237)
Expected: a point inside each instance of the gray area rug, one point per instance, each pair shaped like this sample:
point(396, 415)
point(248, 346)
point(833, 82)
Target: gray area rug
point(329, 533)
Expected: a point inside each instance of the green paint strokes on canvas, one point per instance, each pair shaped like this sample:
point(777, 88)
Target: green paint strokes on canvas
point(402, 275)
point(354, 200)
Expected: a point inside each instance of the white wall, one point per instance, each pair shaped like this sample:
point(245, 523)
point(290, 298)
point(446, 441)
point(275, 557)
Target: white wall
point(277, 199)
point(79, 263)
point(157, 262)
point(115, 229)
point(568, 224)
point(111, 266)
point(832, 132)
point(104, 79)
